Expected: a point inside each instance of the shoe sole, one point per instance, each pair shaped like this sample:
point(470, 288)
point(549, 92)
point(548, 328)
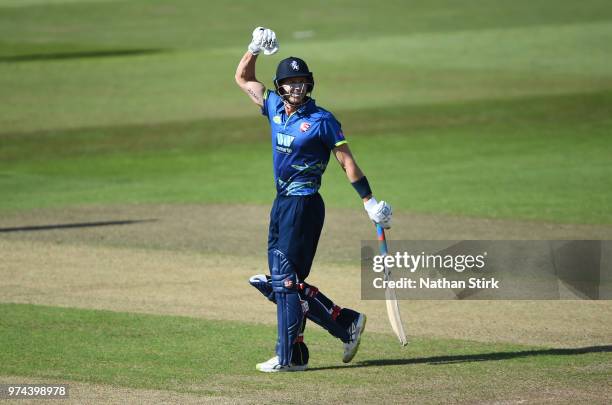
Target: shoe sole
point(292, 369)
point(365, 319)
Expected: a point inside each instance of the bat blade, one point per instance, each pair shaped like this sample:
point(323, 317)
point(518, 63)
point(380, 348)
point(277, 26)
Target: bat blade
point(394, 316)
point(393, 311)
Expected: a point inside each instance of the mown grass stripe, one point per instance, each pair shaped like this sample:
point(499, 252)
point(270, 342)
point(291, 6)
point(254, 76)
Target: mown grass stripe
point(193, 355)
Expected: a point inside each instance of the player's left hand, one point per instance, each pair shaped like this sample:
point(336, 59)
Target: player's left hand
point(379, 212)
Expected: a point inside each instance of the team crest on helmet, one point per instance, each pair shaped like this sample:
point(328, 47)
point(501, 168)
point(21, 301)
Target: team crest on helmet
point(294, 65)
point(304, 126)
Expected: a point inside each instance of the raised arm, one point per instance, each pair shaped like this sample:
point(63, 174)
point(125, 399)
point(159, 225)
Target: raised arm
point(263, 40)
point(246, 80)
point(379, 212)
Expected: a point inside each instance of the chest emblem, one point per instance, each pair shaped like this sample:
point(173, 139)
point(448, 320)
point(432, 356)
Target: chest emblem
point(277, 119)
point(283, 143)
point(304, 126)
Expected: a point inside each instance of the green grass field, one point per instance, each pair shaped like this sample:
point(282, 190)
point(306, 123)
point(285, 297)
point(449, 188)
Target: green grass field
point(479, 109)
point(192, 355)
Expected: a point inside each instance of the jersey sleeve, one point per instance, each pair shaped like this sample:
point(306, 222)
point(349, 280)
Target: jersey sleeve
point(331, 132)
point(269, 103)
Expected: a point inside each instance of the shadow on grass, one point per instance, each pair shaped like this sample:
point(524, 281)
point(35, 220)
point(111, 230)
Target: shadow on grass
point(74, 225)
point(466, 358)
point(79, 55)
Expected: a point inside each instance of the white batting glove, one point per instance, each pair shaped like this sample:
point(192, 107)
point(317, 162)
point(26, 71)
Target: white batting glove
point(379, 212)
point(269, 44)
point(264, 39)
point(255, 45)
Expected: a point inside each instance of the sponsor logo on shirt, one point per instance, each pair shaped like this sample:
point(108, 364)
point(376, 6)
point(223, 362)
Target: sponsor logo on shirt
point(283, 143)
point(304, 126)
point(277, 119)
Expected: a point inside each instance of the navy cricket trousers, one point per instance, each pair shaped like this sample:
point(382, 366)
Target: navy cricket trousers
point(295, 227)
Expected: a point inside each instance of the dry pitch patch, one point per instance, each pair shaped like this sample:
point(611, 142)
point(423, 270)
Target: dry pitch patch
point(216, 287)
point(196, 261)
point(241, 230)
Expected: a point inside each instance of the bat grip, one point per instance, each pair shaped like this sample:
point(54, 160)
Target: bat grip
point(382, 240)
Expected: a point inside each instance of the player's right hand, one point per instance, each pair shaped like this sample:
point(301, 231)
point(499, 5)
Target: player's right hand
point(379, 212)
point(264, 39)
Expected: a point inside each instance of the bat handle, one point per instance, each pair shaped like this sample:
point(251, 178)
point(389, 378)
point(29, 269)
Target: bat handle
point(382, 240)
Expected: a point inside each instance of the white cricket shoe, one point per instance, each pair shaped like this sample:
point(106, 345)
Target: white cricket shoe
point(273, 366)
point(355, 331)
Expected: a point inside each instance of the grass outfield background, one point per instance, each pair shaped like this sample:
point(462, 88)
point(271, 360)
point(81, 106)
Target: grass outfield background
point(496, 111)
point(484, 109)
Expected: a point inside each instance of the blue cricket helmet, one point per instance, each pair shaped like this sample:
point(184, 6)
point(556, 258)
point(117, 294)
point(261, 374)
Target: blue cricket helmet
point(293, 67)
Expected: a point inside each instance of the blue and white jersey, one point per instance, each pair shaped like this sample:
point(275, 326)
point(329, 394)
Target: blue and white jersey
point(301, 144)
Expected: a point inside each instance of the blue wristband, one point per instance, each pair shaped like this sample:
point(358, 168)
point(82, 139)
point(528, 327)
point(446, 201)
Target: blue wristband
point(362, 187)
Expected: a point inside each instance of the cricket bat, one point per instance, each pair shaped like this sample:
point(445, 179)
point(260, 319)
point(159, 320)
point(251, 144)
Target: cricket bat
point(390, 297)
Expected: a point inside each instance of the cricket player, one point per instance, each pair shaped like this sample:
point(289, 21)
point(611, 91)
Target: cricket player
point(303, 136)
